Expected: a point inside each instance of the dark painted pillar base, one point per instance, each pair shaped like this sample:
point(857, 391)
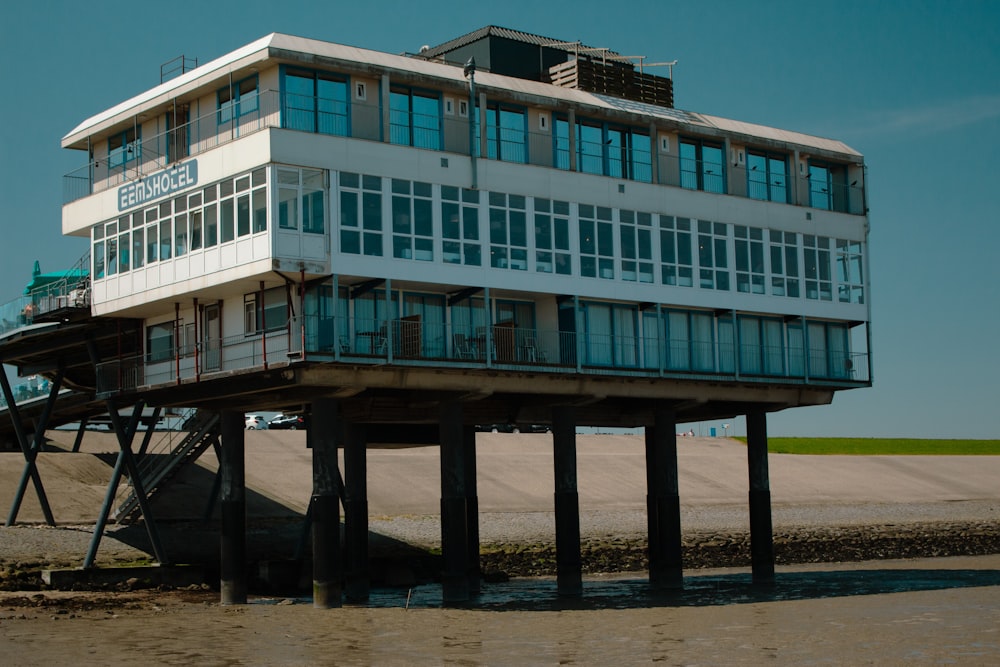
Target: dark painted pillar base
point(233, 506)
point(454, 514)
point(357, 580)
point(325, 505)
point(761, 535)
point(663, 503)
point(472, 509)
point(569, 565)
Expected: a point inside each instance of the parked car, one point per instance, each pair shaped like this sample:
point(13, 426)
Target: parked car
point(255, 423)
point(290, 422)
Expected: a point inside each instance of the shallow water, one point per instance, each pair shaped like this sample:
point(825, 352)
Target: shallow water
point(940, 611)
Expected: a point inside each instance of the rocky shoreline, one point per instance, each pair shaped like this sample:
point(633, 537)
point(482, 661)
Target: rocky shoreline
point(397, 563)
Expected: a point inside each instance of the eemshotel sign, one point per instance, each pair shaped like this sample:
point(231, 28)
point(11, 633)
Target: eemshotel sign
point(158, 185)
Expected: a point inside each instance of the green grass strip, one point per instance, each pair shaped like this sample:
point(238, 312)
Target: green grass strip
point(882, 446)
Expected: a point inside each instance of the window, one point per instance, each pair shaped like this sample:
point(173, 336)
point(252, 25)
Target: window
point(827, 186)
point(415, 118)
point(761, 346)
point(589, 147)
point(560, 143)
point(611, 334)
point(506, 133)
point(597, 252)
point(749, 259)
point(636, 236)
point(460, 226)
point(508, 232)
point(315, 102)
point(412, 220)
point(819, 284)
point(301, 200)
point(274, 314)
point(552, 252)
point(767, 176)
point(237, 100)
point(713, 264)
point(784, 264)
point(160, 341)
point(676, 260)
point(701, 166)
point(124, 147)
point(690, 340)
point(850, 281)
point(629, 154)
point(360, 214)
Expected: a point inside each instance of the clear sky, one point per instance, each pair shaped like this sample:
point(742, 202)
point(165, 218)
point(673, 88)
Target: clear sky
point(914, 85)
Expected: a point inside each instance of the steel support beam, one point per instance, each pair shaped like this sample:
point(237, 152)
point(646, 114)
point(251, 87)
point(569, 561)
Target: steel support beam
point(357, 580)
point(454, 519)
point(761, 536)
point(569, 568)
point(663, 503)
point(30, 450)
point(325, 504)
point(233, 506)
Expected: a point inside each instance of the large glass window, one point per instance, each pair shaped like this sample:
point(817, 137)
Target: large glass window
point(506, 133)
point(360, 214)
point(827, 186)
point(552, 252)
point(629, 154)
point(315, 102)
point(819, 282)
point(589, 146)
point(268, 308)
point(702, 167)
point(412, 220)
point(850, 280)
point(160, 341)
point(560, 143)
point(749, 259)
point(767, 176)
point(238, 100)
point(597, 243)
point(508, 232)
point(460, 226)
point(690, 340)
point(676, 259)
point(301, 200)
point(784, 263)
point(124, 147)
point(636, 236)
point(415, 118)
point(713, 262)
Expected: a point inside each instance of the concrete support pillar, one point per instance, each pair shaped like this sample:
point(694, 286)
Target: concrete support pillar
point(325, 505)
point(761, 537)
point(472, 507)
point(569, 568)
point(233, 505)
point(663, 503)
point(357, 580)
point(454, 518)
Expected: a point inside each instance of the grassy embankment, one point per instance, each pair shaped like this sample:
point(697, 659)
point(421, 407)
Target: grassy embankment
point(882, 446)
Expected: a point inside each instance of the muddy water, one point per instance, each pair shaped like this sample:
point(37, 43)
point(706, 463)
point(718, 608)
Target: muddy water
point(940, 611)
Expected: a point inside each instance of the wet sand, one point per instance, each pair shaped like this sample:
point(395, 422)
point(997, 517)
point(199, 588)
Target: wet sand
point(913, 612)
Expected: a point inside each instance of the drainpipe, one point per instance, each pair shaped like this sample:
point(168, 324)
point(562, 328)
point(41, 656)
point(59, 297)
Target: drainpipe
point(197, 360)
point(470, 72)
point(177, 336)
point(302, 314)
point(262, 324)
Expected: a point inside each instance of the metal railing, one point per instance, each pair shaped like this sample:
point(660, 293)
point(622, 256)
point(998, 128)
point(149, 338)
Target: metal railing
point(413, 341)
point(70, 291)
point(361, 120)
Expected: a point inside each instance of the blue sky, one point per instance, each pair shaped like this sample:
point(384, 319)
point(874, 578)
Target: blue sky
point(913, 85)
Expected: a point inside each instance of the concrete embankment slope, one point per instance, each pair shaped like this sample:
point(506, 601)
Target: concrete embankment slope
point(515, 476)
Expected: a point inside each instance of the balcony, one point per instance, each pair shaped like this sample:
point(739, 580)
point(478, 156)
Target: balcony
point(410, 341)
point(633, 160)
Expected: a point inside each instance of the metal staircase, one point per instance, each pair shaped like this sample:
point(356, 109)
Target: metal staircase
point(163, 459)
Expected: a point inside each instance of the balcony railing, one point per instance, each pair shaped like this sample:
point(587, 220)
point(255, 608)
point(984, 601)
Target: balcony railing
point(450, 134)
point(416, 342)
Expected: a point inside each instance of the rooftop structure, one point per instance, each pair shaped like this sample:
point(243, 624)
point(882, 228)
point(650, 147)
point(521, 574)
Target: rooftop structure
point(421, 241)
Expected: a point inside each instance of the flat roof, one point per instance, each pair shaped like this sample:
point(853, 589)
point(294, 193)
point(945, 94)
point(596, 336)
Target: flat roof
point(277, 45)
